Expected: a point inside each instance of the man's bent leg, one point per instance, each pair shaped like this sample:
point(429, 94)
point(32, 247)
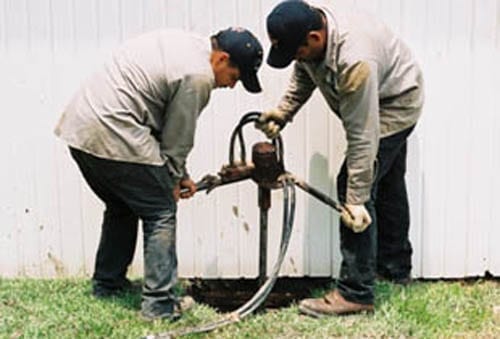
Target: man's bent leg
point(116, 250)
point(160, 265)
point(148, 191)
point(394, 247)
point(357, 270)
point(119, 227)
point(355, 285)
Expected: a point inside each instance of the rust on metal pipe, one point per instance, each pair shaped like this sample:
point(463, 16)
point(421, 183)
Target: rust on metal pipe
point(267, 166)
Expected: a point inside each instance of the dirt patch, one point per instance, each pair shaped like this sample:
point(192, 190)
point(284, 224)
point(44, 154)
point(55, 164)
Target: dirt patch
point(229, 294)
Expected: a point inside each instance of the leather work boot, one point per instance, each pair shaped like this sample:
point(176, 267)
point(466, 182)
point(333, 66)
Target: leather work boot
point(181, 306)
point(333, 303)
point(184, 304)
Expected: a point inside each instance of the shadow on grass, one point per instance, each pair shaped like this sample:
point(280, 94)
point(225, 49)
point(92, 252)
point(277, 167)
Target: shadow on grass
point(129, 299)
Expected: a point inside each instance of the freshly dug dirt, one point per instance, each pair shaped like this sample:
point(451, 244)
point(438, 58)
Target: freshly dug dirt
point(228, 295)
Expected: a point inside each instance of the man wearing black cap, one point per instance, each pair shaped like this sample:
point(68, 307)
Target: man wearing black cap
point(372, 83)
point(130, 128)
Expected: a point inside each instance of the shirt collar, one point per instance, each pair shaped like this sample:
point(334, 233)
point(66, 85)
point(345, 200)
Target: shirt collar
point(332, 40)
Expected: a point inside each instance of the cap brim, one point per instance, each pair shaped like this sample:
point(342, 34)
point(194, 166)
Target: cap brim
point(251, 82)
point(279, 58)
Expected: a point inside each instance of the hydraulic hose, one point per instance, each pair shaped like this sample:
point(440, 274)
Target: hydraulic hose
point(244, 171)
point(260, 296)
point(249, 117)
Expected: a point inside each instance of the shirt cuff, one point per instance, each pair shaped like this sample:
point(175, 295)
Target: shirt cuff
point(358, 196)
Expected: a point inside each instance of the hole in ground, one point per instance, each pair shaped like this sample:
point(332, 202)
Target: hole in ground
point(229, 294)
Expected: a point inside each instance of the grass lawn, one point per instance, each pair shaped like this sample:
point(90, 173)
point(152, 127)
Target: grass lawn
point(65, 309)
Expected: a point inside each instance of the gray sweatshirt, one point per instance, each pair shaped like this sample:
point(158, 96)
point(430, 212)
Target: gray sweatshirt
point(371, 82)
point(142, 106)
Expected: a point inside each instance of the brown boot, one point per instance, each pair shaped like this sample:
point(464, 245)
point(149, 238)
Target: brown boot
point(182, 305)
point(332, 303)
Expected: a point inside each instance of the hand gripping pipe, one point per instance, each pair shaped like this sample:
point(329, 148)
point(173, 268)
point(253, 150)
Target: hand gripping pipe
point(268, 171)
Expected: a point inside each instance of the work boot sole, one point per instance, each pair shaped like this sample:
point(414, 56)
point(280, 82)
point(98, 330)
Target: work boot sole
point(306, 311)
point(314, 314)
point(332, 304)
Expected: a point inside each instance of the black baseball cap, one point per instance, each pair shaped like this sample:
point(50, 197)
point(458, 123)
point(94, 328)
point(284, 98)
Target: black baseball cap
point(287, 27)
point(245, 51)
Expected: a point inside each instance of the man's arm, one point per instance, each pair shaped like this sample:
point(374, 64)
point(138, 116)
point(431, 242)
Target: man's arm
point(359, 110)
point(182, 111)
point(299, 91)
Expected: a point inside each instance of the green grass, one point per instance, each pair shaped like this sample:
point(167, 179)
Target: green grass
point(65, 309)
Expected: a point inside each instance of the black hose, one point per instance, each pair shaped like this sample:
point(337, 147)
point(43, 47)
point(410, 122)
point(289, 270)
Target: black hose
point(237, 132)
point(319, 195)
point(278, 144)
point(288, 216)
point(261, 295)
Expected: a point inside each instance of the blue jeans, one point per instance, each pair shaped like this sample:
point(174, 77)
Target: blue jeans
point(131, 192)
point(384, 247)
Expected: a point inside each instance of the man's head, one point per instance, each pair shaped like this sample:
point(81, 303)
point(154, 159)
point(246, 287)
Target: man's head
point(236, 55)
point(297, 31)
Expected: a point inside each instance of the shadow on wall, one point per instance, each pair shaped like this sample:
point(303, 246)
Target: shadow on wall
point(414, 184)
point(321, 227)
point(321, 240)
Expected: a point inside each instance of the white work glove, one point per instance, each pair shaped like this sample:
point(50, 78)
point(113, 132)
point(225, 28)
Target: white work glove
point(271, 122)
point(356, 217)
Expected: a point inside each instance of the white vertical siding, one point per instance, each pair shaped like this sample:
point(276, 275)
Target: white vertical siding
point(50, 220)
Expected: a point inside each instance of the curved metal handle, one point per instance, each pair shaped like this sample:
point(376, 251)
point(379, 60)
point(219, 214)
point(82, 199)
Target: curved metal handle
point(238, 132)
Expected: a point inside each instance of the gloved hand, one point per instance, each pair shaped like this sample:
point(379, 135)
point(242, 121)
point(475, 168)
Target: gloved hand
point(272, 122)
point(356, 217)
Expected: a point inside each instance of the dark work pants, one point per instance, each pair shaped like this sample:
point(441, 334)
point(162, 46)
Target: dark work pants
point(131, 192)
point(384, 247)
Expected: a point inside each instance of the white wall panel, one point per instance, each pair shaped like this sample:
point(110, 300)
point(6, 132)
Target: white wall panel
point(50, 220)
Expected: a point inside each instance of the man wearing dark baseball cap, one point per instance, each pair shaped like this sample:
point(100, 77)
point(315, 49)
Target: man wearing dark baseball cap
point(288, 26)
point(130, 128)
point(371, 81)
point(244, 51)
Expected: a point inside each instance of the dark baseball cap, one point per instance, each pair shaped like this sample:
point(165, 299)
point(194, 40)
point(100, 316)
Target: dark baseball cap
point(245, 51)
point(287, 27)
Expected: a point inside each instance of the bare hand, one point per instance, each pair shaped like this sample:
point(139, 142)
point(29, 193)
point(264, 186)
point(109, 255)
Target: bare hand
point(187, 186)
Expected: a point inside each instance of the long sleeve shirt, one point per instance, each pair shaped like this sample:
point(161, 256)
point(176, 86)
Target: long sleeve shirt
point(370, 80)
point(142, 106)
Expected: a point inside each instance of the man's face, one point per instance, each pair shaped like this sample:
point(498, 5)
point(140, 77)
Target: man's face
point(226, 74)
point(312, 49)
